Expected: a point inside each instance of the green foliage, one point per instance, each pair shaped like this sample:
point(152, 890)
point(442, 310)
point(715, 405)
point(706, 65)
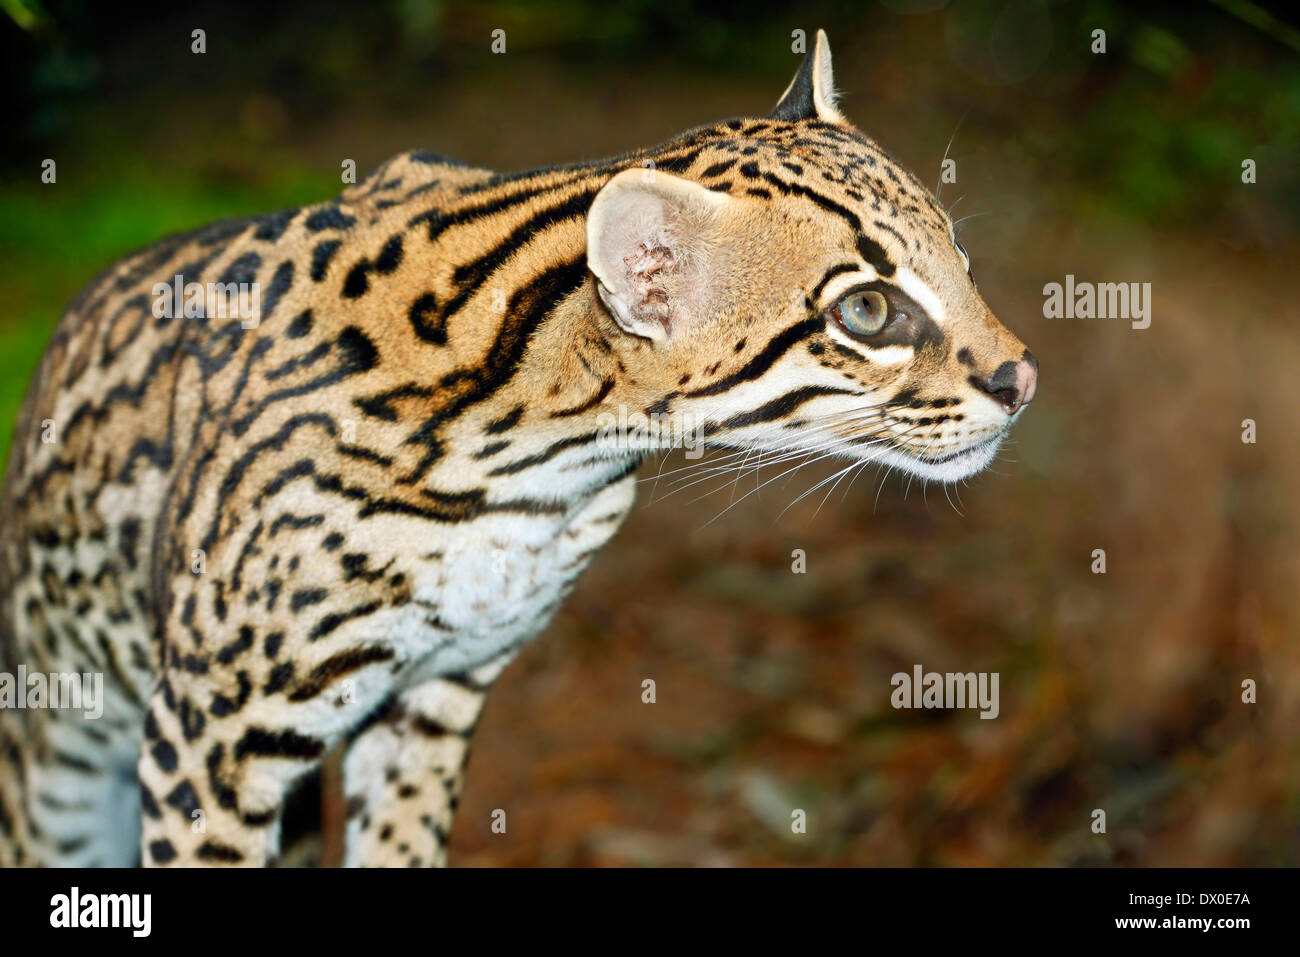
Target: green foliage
point(54, 238)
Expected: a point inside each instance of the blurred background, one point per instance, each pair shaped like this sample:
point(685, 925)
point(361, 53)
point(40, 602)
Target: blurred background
point(1119, 691)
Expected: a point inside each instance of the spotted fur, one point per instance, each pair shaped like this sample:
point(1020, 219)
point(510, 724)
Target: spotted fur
point(335, 528)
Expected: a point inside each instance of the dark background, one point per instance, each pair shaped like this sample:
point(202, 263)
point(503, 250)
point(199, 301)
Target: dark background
point(1118, 691)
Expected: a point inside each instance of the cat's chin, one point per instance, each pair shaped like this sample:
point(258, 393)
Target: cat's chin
point(952, 467)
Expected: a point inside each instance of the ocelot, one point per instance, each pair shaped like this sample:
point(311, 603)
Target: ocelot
point(326, 527)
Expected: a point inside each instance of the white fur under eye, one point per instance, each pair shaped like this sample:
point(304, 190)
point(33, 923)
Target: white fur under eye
point(886, 356)
point(911, 284)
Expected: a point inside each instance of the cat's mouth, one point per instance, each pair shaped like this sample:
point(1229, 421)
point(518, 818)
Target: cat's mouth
point(949, 466)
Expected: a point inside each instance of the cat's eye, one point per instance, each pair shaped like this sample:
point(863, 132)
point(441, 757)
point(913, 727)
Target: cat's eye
point(964, 255)
point(862, 313)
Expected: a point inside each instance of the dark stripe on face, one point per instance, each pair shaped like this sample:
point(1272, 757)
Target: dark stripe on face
point(506, 422)
point(845, 352)
point(875, 254)
point(825, 202)
point(778, 408)
point(546, 454)
point(870, 250)
point(880, 224)
point(758, 365)
point(591, 403)
point(831, 273)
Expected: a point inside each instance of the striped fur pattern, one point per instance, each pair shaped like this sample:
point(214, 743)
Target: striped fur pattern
point(335, 527)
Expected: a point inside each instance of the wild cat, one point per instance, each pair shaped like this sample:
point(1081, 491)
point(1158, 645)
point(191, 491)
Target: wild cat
point(332, 522)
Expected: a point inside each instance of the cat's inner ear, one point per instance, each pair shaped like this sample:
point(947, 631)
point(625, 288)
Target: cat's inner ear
point(811, 94)
point(653, 244)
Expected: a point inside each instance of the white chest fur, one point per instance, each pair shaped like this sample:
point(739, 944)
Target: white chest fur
point(490, 585)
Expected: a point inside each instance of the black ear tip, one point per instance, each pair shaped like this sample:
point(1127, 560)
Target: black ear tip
point(799, 102)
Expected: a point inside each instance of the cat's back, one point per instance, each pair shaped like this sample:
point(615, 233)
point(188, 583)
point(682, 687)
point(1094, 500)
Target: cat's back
point(176, 349)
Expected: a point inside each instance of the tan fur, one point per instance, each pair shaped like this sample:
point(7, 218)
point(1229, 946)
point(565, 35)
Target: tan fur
point(345, 479)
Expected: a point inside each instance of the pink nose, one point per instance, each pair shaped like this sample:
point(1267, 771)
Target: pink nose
point(1013, 384)
point(1027, 378)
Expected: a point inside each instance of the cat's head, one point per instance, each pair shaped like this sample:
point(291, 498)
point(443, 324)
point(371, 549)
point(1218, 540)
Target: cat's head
point(783, 284)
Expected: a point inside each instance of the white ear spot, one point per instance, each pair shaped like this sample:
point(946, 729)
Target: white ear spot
point(652, 246)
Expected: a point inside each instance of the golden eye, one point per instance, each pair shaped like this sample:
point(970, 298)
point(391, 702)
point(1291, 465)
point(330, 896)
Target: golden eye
point(863, 313)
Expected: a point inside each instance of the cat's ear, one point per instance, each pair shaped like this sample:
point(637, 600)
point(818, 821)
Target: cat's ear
point(811, 94)
point(653, 245)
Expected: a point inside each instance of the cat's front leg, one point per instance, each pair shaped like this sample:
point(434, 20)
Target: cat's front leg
point(404, 771)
